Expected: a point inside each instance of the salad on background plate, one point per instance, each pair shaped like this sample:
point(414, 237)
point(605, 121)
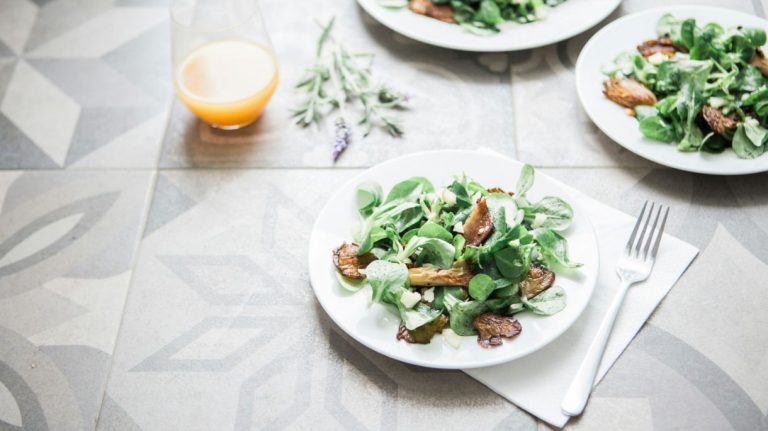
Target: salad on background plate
point(704, 88)
point(462, 260)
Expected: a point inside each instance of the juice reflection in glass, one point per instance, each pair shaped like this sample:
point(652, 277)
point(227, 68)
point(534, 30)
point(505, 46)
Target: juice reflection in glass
point(224, 68)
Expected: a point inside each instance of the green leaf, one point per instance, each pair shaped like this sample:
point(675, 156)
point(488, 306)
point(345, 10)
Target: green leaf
point(463, 313)
point(436, 251)
point(409, 189)
point(548, 302)
point(755, 36)
point(418, 316)
point(434, 230)
point(458, 244)
point(525, 181)
point(554, 248)
point(481, 286)
point(743, 146)
point(687, 33)
point(441, 292)
point(349, 283)
point(388, 281)
point(644, 111)
point(513, 263)
point(555, 213)
point(368, 197)
point(654, 127)
point(489, 13)
point(755, 132)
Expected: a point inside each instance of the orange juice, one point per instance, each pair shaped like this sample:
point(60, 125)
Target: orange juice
point(227, 83)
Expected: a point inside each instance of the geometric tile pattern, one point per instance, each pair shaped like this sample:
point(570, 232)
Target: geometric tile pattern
point(71, 82)
point(153, 271)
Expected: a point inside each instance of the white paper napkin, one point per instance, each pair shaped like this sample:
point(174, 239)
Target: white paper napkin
point(538, 382)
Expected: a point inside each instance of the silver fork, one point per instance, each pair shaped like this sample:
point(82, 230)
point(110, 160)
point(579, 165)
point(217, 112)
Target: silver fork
point(634, 266)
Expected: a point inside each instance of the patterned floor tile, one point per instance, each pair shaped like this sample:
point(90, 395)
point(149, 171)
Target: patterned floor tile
point(66, 252)
point(471, 103)
point(221, 313)
point(95, 74)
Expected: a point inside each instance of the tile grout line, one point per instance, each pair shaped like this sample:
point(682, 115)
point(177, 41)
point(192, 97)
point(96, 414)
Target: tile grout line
point(136, 249)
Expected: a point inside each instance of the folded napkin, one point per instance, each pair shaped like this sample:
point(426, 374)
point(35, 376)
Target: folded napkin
point(538, 382)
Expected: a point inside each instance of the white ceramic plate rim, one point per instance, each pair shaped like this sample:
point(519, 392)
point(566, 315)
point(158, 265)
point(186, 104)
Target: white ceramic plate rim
point(320, 263)
point(612, 119)
point(557, 26)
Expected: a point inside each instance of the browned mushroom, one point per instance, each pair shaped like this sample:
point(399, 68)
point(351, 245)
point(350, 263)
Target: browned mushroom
point(423, 334)
point(479, 224)
point(499, 190)
point(653, 46)
point(458, 275)
point(760, 61)
point(349, 263)
point(537, 281)
point(717, 121)
point(442, 12)
point(493, 327)
point(628, 92)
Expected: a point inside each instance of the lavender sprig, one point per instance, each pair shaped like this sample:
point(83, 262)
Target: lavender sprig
point(343, 80)
point(343, 137)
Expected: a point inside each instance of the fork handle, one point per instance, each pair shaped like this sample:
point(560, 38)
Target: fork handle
point(581, 386)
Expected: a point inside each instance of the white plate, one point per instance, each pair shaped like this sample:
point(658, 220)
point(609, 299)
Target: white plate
point(623, 35)
point(375, 326)
point(562, 22)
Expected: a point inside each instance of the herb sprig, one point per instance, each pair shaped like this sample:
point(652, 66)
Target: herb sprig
point(341, 81)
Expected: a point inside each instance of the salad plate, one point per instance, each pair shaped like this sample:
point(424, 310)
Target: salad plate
point(623, 36)
point(560, 22)
point(376, 326)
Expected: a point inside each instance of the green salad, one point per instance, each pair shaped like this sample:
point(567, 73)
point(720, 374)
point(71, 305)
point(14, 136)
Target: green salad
point(478, 16)
point(703, 88)
point(463, 260)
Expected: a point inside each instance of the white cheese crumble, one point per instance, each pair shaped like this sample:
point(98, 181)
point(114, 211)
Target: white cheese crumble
point(716, 102)
point(656, 59)
point(409, 299)
point(453, 339)
point(539, 220)
point(429, 294)
point(449, 197)
point(458, 227)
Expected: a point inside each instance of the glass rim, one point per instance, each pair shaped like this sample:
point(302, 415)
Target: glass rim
point(175, 4)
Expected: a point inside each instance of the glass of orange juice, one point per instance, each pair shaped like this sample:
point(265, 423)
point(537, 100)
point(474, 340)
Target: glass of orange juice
point(224, 67)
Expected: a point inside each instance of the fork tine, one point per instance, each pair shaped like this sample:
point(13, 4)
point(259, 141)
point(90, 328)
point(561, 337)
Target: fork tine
point(650, 235)
point(661, 232)
point(634, 231)
point(642, 232)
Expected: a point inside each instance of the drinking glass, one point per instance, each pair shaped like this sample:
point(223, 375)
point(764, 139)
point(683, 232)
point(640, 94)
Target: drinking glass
point(224, 68)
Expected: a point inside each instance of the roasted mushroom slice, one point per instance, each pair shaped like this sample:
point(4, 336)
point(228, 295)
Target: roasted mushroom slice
point(499, 190)
point(479, 224)
point(493, 327)
point(628, 92)
point(537, 281)
point(717, 121)
point(442, 12)
point(760, 61)
point(653, 46)
point(349, 263)
point(458, 275)
point(423, 334)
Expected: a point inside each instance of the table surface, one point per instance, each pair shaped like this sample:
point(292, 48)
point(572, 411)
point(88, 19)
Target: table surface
point(149, 265)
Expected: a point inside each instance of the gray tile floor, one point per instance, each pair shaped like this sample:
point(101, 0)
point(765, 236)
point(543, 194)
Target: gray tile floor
point(146, 260)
